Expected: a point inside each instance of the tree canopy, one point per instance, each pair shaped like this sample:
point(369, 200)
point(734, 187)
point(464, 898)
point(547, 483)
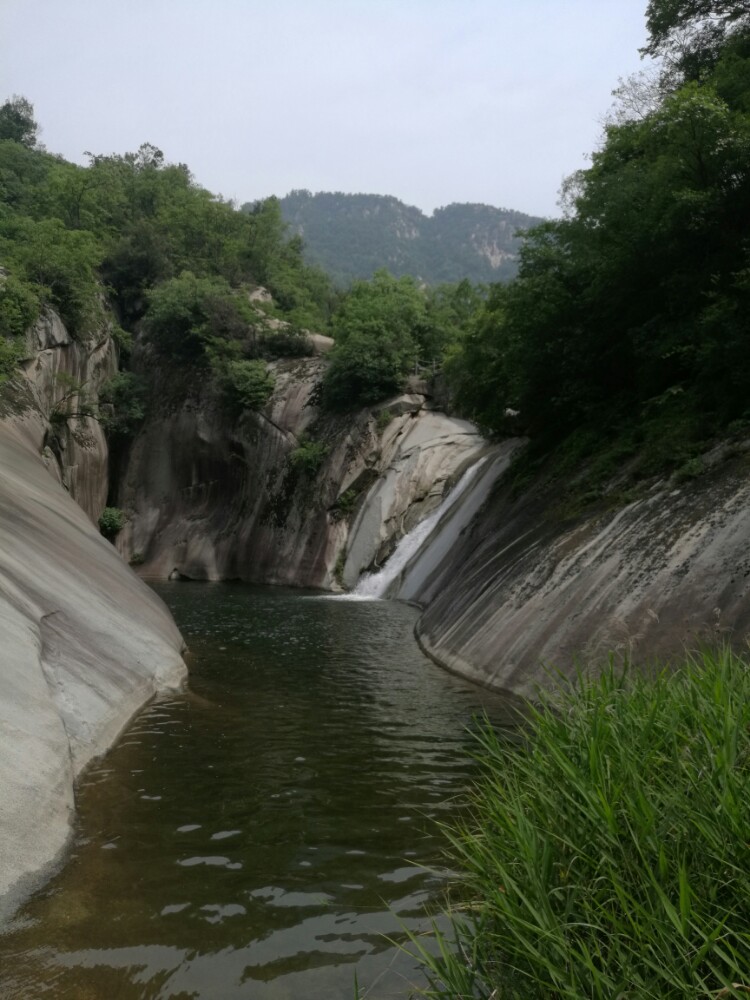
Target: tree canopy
point(17, 122)
point(636, 304)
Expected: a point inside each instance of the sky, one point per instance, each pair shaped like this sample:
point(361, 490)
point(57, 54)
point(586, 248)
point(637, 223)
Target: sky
point(433, 101)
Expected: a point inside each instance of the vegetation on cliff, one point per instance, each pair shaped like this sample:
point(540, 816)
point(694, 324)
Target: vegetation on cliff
point(389, 327)
point(134, 235)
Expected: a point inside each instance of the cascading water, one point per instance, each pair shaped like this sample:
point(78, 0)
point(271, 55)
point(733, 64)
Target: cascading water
point(376, 585)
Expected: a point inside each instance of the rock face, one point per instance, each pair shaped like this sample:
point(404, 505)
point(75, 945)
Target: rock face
point(64, 376)
point(520, 589)
point(85, 643)
point(289, 495)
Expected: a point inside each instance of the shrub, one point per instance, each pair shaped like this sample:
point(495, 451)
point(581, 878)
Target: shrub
point(607, 856)
point(345, 504)
point(57, 266)
point(124, 399)
point(309, 455)
point(111, 520)
point(382, 420)
point(19, 306)
point(247, 385)
point(10, 354)
point(288, 342)
point(188, 315)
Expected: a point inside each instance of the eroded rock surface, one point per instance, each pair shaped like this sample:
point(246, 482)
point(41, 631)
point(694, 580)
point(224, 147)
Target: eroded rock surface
point(214, 498)
point(521, 591)
point(84, 642)
point(64, 377)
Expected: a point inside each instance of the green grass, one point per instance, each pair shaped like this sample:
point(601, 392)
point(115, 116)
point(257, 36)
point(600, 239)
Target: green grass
point(607, 855)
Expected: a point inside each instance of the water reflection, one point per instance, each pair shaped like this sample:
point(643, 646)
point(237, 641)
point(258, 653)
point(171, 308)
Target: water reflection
point(257, 837)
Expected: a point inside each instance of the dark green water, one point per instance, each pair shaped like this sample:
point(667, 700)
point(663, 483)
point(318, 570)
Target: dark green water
point(256, 837)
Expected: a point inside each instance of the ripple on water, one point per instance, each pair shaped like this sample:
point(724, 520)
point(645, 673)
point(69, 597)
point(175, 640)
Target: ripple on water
point(314, 744)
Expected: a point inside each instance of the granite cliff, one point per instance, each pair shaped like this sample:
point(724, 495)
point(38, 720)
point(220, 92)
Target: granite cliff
point(74, 667)
point(286, 495)
point(293, 495)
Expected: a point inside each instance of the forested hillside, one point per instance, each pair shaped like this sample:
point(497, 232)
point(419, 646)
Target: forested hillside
point(626, 327)
point(353, 235)
point(629, 321)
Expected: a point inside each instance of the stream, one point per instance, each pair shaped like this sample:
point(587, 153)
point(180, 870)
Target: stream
point(258, 836)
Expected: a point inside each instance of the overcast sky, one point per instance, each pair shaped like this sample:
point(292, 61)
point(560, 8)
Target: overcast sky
point(433, 101)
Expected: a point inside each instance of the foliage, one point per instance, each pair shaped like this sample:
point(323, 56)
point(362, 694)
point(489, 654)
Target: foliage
point(383, 419)
point(346, 503)
point(286, 342)
point(19, 306)
point(607, 854)
point(111, 521)
point(642, 290)
point(380, 328)
point(247, 385)
point(691, 33)
point(309, 455)
point(150, 222)
point(56, 266)
point(17, 121)
point(123, 404)
point(303, 292)
point(10, 354)
point(189, 316)
point(71, 399)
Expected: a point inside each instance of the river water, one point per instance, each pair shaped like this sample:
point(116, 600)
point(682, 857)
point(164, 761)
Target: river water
point(258, 836)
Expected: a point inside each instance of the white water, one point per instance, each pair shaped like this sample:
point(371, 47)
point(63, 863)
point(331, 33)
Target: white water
point(375, 585)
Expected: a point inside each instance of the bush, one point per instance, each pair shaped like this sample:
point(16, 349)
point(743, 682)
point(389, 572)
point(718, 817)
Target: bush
point(10, 354)
point(111, 520)
point(309, 456)
point(382, 420)
point(360, 374)
point(377, 329)
point(124, 399)
point(189, 316)
point(60, 266)
point(247, 385)
point(607, 856)
point(19, 306)
point(286, 343)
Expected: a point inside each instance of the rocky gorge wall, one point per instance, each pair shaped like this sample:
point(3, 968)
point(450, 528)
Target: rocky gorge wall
point(287, 495)
point(508, 586)
point(73, 668)
point(521, 590)
point(291, 495)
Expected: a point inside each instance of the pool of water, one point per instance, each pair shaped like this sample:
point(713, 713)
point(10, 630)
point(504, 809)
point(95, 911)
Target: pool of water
point(262, 835)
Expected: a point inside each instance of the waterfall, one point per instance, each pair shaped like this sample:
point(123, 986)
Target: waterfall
point(375, 585)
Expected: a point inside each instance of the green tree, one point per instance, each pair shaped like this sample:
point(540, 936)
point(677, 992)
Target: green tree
point(690, 34)
point(61, 265)
point(19, 306)
point(17, 121)
point(377, 330)
point(188, 318)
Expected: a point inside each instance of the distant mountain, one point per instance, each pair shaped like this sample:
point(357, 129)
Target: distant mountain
point(352, 235)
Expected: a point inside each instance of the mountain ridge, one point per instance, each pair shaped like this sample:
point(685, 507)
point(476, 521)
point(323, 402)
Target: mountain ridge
point(353, 235)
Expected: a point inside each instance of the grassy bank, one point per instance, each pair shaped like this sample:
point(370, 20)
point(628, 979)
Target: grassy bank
point(608, 855)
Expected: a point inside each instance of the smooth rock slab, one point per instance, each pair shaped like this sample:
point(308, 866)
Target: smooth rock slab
point(84, 645)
